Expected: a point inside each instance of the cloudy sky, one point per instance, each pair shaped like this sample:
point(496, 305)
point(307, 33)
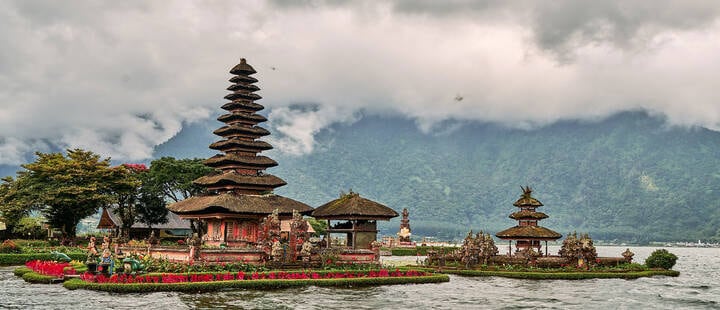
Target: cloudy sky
point(119, 77)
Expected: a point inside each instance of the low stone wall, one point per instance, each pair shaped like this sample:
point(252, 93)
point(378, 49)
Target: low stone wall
point(248, 256)
point(358, 256)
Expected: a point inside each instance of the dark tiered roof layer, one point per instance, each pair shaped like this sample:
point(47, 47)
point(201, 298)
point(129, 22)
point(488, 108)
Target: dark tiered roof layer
point(243, 204)
point(251, 146)
point(529, 215)
point(237, 179)
point(253, 131)
point(352, 206)
point(252, 161)
point(247, 117)
point(528, 232)
point(242, 105)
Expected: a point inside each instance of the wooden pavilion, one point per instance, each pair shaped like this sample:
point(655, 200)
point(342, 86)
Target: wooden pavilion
point(354, 219)
point(528, 234)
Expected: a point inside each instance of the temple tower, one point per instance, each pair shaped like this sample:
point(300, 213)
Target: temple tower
point(239, 192)
point(528, 234)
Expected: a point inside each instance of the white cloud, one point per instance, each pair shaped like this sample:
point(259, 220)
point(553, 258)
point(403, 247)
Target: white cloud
point(120, 78)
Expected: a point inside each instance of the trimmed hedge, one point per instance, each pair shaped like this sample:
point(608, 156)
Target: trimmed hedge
point(20, 259)
point(564, 275)
point(33, 277)
point(419, 250)
point(249, 284)
point(20, 271)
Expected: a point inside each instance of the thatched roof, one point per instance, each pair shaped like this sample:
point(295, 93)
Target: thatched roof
point(352, 206)
point(255, 145)
point(247, 96)
point(243, 79)
point(257, 161)
point(110, 220)
point(526, 200)
point(248, 87)
point(255, 118)
point(524, 214)
point(235, 129)
point(234, 178)
point(242, 68)
point(242, 104)
point(240, 204)
point(528, 232)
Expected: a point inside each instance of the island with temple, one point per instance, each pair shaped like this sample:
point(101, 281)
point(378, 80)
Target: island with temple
point(243, 235)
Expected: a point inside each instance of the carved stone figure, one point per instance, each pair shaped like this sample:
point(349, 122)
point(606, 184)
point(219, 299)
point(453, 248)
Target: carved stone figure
point(277, 251)
point(628, 255)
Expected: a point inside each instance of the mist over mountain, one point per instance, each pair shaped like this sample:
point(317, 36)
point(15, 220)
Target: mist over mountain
point(629, 177)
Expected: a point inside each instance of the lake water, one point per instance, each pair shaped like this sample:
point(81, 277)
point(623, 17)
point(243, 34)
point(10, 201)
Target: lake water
point(697, 287)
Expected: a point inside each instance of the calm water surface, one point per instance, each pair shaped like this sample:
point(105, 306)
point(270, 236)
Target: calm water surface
point(698, 287)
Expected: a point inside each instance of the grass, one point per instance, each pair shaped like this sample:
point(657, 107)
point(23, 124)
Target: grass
point(264, 284)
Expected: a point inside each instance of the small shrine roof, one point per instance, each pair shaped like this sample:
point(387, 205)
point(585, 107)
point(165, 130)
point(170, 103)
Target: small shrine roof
point(352, 206)
point(110, 220)
point(526, 200)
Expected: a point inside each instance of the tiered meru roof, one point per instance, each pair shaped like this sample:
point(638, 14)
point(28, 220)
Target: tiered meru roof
point(527, 205)
point(240, 184)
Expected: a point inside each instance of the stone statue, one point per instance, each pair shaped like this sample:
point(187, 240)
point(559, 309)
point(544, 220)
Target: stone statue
point(628, 255)
point(92, 251)
point(277, 251)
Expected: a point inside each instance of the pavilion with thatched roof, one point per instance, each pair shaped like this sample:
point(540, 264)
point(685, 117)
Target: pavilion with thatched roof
point(528, 234)
point(355, 220)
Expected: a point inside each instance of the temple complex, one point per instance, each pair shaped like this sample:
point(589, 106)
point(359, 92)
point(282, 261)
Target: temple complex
point(528, 234)
point(239, 194)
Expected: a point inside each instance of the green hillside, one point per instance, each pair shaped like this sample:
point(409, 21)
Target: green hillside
point(630, 177)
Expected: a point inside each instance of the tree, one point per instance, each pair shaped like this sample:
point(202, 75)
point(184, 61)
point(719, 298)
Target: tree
point(29, 226)
point(65, 188)
point(12, 208)
point(661, 259)
point(174, 179)
point(136, 199)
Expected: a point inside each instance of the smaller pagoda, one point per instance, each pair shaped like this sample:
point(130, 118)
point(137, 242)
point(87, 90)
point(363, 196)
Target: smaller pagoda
point(528, 234)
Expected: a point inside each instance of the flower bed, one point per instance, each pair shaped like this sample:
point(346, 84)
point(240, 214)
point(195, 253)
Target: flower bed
point(49, 268)
point(254, 280)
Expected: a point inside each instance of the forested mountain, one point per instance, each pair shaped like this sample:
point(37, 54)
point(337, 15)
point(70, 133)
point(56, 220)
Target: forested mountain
point(630, 177)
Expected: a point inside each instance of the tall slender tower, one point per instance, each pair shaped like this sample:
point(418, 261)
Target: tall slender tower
point(239, 192)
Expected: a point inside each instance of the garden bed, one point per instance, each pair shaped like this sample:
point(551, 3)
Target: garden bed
point(194, 282)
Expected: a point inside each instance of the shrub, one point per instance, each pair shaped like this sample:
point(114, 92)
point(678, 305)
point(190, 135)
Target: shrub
point(33, 277)
point(20, 271)
point(661, 259)
point(9, 247)
point(20, 259)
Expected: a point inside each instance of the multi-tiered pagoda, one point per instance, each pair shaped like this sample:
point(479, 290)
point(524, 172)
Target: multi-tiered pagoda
point(239, 193)
point(528, 234)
